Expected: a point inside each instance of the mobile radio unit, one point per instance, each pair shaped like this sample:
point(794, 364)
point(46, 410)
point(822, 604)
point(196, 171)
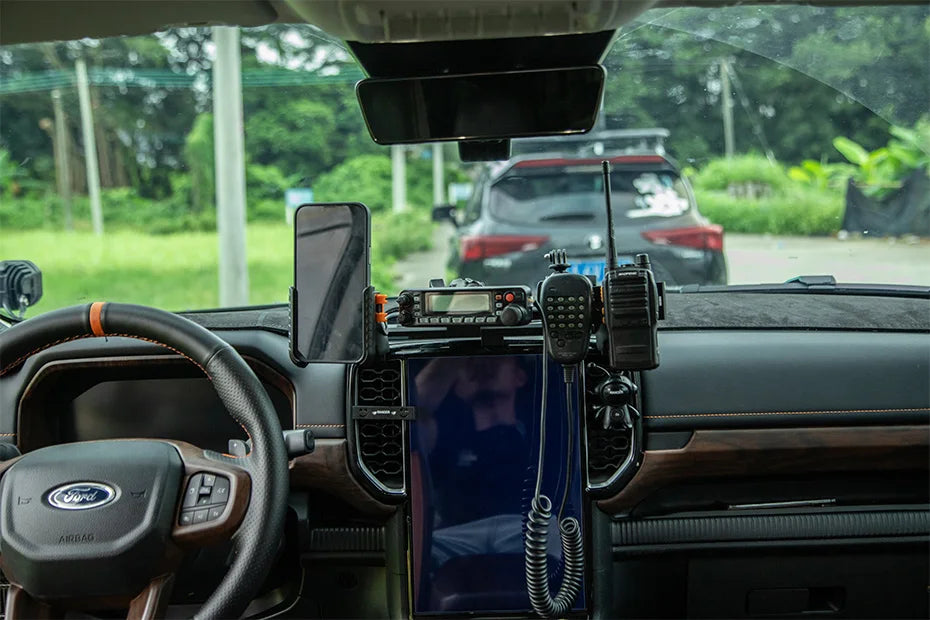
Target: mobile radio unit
point(469, 305)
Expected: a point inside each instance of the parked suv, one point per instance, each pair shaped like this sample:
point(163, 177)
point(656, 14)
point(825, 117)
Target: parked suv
point(550, 194)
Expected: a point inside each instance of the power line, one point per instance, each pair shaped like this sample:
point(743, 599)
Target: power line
point(756, 125)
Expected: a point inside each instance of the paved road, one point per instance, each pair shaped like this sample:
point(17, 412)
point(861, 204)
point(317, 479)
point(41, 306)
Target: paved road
point(757, 258)
point(766, 258)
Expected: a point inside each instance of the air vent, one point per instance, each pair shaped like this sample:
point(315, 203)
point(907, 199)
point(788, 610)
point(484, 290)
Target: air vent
point(380, 443)
point(609, 450)
point(4, 593)
point(379, 385)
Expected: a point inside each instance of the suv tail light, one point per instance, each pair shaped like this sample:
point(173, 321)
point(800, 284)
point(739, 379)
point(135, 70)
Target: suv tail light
point(708, 237)
point(486, 246)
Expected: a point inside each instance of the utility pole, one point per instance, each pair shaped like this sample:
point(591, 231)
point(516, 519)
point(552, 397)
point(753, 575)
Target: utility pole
point(438, 175)
point(398, 178)
point(62, 159)
point(90, 147)
point(727, 102)
point(229, 151)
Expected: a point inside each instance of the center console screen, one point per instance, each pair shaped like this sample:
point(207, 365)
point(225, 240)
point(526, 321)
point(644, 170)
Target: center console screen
point(474, 451)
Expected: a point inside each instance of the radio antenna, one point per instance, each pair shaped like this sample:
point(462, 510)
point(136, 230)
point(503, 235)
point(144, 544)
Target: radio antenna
point(611, 248)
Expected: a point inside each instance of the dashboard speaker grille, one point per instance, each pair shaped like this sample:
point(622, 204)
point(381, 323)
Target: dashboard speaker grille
point(380, 443)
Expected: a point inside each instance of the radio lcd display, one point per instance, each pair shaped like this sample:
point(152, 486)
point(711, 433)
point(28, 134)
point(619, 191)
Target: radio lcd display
point(457, 303)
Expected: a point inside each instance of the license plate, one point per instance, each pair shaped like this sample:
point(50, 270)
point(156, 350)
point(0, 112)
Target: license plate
point(595, 268)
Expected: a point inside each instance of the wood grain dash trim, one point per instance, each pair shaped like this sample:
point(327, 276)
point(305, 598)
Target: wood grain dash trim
point(759, 452)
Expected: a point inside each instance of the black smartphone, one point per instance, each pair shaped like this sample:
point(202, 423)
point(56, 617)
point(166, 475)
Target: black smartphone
point(332, 278)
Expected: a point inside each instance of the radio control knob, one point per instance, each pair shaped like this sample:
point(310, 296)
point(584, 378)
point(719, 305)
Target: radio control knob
point(404, 317)
point(405, 299)
point(514, 314)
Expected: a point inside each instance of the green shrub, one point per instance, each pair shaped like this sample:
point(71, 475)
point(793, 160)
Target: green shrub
point(265, 210)
point(821, 175)
point(27, 213)
point(199, 156)
point(728, 174)
point(420, 181)
point(394, 235)
point(187, 222)
point(797, 211)
point(123, 209)
point(367, 179)
point(267, 183)
point(882, 171)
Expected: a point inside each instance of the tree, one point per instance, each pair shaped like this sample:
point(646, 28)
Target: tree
point(806, 72)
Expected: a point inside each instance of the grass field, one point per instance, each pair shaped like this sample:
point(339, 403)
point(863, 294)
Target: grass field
point(175, 272)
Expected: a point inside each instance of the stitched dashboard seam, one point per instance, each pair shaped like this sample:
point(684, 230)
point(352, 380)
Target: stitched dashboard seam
point(23, 358)
point(320, 425)
point(760, 413)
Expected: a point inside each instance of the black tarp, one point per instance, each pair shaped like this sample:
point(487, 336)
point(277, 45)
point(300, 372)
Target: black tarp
point(905, 212)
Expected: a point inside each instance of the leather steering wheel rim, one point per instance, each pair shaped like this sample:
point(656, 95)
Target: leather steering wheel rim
point(258, 536)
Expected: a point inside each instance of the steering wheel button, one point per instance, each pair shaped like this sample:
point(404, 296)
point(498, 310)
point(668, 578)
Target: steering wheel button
point(186, 518)
point(214, 513)
point(200, 516)
point(192, 492)
point(220, 491)
point(208, 480)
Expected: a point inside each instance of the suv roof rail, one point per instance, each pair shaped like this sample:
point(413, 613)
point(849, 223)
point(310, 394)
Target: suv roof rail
point(597, 142)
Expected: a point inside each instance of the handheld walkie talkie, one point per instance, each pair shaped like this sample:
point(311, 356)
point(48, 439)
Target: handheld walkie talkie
point(633, 304)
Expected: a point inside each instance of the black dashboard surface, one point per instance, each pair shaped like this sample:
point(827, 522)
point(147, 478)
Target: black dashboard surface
point(702, 311)
point(777, 378)
point(817, 389)
point(807, 360)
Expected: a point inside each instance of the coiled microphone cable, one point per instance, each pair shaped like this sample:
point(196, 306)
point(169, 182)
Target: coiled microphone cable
point(537, 524)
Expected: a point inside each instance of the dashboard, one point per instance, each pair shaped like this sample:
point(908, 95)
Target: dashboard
point(136, 396)
point(779, 465)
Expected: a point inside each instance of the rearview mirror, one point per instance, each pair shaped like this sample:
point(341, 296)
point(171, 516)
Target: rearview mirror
point(444, 213)
point(331, 283)
point(481, 106)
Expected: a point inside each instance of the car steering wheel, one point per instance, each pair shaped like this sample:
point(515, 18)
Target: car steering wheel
point(101, 524)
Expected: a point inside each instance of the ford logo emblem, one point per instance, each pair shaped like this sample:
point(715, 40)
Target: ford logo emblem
point(81, 496)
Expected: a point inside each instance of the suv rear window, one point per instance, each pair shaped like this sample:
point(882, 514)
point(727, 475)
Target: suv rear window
point(539, 196)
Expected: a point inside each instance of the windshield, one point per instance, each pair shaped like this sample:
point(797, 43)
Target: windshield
point(797, 143)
